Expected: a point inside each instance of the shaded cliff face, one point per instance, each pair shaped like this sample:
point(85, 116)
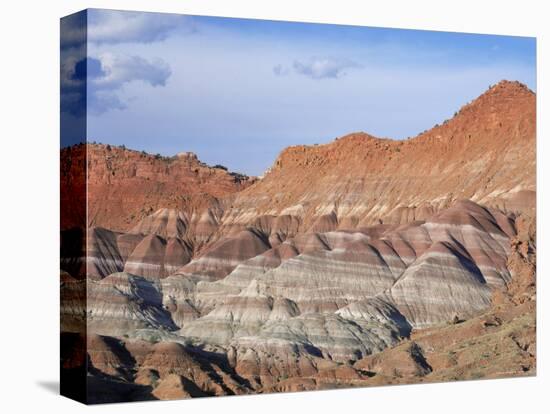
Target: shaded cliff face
point(361, 262)
point(485, 153)
point(73, 187)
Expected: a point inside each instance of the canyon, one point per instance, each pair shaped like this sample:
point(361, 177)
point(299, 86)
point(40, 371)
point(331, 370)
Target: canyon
point(364, 261)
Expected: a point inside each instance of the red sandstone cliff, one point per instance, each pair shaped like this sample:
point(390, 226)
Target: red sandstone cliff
point(124, 186)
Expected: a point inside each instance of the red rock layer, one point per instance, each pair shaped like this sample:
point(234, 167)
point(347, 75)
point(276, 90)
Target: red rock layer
point(125, 186)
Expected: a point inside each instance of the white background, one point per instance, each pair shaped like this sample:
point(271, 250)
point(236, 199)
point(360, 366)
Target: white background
point(29, 96)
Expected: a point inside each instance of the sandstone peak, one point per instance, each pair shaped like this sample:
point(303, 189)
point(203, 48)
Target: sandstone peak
point(510, 87)
point(499, 97)
point(499, 94)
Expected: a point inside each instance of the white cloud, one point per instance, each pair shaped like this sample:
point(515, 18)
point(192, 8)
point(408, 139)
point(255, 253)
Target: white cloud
point(117, 69)
point(111, 72)
point(323, 68)
point(110, 26)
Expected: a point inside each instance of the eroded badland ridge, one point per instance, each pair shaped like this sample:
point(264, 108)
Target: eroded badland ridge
point(359, 262)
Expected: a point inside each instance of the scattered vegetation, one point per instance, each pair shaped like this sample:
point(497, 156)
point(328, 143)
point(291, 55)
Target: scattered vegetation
point(238, 177)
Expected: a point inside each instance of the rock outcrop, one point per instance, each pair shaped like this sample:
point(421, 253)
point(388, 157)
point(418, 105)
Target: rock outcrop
point(122, 302)
point(124, 186)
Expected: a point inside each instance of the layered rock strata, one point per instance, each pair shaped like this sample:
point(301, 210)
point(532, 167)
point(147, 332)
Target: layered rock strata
point(362, 261)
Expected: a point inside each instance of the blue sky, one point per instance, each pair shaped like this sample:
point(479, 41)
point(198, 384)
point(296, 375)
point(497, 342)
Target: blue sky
point(238, 91)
